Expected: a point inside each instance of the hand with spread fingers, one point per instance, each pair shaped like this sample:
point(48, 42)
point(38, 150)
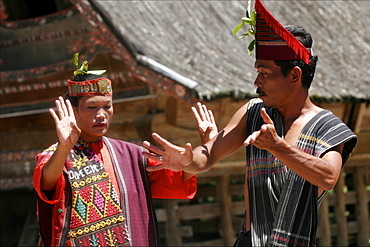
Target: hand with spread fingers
point(265, 138)
point(178, 158)
point(174, 158)
point(65, 123)
point(207, 127)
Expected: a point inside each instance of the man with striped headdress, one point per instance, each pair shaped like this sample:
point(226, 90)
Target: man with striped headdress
point(295, 149)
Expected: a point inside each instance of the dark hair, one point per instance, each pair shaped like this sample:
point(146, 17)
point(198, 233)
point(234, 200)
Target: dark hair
point(308, 70)
point(81, 77)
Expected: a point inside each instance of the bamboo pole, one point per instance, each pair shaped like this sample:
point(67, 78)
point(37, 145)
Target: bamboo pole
point(325, 232)
point(340, 212)
point(362, 176)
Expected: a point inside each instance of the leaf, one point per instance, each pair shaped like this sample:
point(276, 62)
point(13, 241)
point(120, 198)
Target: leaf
point(96, 72)
point(247, 21)
point(251, 32)
point(238, 27)
point(253, 17)
point(75, 60)
point(78, 72)
point(248, 8)
point(241, 36)
point(84, 66)
point(251, 47)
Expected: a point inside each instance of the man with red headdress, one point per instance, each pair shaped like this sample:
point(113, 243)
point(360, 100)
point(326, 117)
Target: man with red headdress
point(94, 190)
point(295, 149)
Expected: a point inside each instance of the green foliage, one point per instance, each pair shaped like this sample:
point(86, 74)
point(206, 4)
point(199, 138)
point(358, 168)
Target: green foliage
point(250, 20)
point(83, 67)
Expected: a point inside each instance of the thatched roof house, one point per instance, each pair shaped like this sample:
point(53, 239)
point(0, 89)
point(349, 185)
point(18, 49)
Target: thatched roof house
point(191, 42)
point(159, 54)
point(195, 40)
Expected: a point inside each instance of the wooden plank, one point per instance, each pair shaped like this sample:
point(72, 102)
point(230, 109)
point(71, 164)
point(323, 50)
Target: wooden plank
point(363, 115)
point(211, 243)
point(324, 224)
point(172, 227)
point(351, 198)
point(205, 191)
point(227, 167)
point(340, 212)
point(358, 159)
point(353, 228)
point(227, 230)
point(201, 211)
point(363, 143)
point(362, 213)
point(161, 214)
point(172, 111)
point(186, 231)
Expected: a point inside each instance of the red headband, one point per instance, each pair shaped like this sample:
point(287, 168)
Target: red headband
point(100, 86)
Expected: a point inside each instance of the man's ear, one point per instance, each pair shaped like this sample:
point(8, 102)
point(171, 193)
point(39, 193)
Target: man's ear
point(296, 74)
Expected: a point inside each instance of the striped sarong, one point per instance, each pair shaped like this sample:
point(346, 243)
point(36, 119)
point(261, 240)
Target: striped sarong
point(284, 206)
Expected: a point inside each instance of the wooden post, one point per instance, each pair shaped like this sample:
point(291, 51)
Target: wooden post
point(226, 206)
point(362, 175)
point(325, 232)
point(173, 230)
point(340, 213)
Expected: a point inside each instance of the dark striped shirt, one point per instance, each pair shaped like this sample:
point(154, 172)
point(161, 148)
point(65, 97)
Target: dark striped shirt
point(283, 206)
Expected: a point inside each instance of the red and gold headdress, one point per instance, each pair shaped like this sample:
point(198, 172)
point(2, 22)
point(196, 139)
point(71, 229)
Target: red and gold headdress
point(272, 40)
point(98, 86)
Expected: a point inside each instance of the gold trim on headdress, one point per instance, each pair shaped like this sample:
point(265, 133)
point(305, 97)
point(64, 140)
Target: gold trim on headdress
point(100, 86)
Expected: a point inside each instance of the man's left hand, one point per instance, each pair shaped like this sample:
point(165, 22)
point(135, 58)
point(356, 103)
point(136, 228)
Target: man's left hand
point(266, 138)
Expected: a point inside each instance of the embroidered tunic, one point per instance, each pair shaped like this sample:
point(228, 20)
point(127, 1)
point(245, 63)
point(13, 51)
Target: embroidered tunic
point(136, 189)
point(283, 206)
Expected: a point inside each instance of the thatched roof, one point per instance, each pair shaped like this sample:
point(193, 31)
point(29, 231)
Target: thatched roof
point(192, 43)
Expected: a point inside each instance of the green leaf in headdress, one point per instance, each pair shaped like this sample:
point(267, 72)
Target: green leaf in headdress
point(83, 67)
point(75, 60)
point(250, 20)
point(251, 47)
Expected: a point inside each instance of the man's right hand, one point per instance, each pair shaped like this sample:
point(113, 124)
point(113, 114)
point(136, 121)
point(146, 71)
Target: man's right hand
point(207, 127)
point(65, 123)
point(174, 158)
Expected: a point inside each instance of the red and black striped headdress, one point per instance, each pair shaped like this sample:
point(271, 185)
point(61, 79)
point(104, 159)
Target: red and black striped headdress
point(274, 41)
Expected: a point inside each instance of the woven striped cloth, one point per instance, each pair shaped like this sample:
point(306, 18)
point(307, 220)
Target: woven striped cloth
point(284, 206)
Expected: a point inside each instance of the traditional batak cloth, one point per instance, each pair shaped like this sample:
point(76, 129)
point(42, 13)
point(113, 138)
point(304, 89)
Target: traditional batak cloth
point(283, 206)
point(97, 217)
point(84, 193)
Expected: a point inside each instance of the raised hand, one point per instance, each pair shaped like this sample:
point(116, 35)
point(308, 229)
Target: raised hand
point(207, 127)
point(265, 138)
point(174, 158)
point(65, 123)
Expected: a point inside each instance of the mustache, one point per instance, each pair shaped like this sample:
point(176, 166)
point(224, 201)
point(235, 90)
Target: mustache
point(259, 91)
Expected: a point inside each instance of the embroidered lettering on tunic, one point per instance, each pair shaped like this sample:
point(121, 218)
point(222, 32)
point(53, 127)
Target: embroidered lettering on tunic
point(87, 170)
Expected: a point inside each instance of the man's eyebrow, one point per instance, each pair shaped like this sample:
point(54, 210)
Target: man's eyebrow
point(95, 101)
point(260, 66)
